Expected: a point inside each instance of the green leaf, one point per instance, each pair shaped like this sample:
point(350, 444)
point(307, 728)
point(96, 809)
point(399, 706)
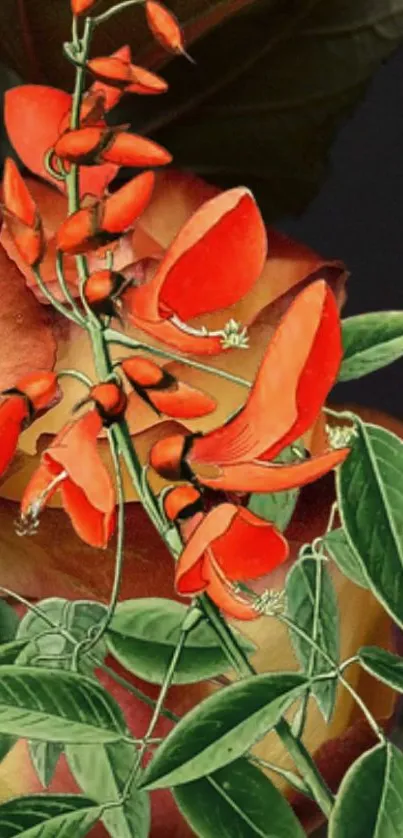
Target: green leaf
point(48, 647)
point(239, 800)
point(44, 757)
point(371, 341)
point(8, 622)
point(48, 816)
point(102, 771)
point(370, 800)
point(6, 743)
point(384, 665)
point(277, 507)
point(144, 634)
point(222, 728)
point(312, 605)
point(370, 499)
point(339, 549)
point(57, 707)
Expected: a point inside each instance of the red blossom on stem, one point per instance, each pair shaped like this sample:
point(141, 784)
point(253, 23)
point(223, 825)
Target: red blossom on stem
point(163, 392)
point(33, 393)
point(212, 263)
point(118, 72)
point(288, 393)
point(165, 27)
point(22, 217)
point(93, 145)
point(73, 466)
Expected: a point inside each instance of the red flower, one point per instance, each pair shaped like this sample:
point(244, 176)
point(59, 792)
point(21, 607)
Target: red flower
point(164, 26)
point(118, 72)
point(297, 372)
point(73, 465)
point(46, 115)
point(79, 7)
point(102, 223)
point(22, 216)
point(32, 393)
point(95, 144)
point(163, 392)
point(228, 544)
point(212, 263)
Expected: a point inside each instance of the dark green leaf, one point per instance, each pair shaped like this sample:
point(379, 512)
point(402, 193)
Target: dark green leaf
point(48, 816)
point(144, 634)
point(222, 728)
point(45, 756)
point(370, 800)
point(384, 665)
point(277, 507)
point(370, 498)
point(8, 622)
point(6, 743)
point(102, 772)
point(57, 707)
point(338, 547)
point(237, 801)
point(312, 605)
point(9, 651)
point(48, 647)
point(268, 92)
point(371, 341)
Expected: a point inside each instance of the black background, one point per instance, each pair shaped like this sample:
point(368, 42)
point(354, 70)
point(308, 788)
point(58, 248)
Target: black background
point(358, 217)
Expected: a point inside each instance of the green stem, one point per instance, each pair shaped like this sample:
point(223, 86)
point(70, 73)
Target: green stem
point(113, 336)
point(150, 702)
point(299, 721)
point(79, 376)
point(338, 671)
point(52, 299)
point(289, 776)
point(65, 289)
point(115, 10)
point(295, 747)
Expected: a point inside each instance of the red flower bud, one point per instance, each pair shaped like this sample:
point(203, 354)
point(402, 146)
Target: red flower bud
point(80, 7)
point(164, 26)
point(167, 457)
point(163, 392)
point(126, 76)
point(40, 388)
point(22, 216)
point(93, 145)
point(110, 401)
point(93, 227)
point(101, 290)
point(182, 502)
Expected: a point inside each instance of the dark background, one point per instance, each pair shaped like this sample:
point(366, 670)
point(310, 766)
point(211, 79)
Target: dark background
point(358, 217)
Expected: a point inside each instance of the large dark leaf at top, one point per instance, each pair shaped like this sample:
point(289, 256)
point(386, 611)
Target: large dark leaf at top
point(273, 82)
point(269, 90)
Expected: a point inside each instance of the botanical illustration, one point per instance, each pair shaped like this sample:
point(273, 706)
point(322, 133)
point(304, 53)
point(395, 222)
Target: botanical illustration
point(202, 558)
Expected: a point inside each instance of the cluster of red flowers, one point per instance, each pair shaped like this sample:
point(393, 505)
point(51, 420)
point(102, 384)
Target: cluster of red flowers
point(214, 261)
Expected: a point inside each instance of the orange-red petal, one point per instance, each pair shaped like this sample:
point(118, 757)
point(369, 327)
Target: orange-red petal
point(250, 547)
point(80, 7)
point(39, 387)
point(261, 476)
point(79, 233)
point(122, 209)
point(212, 263)
point(133, 150)
point(82, 145)
point(13, 412)
point(95, 526)
point(164, 26)
point(182, 401)
point(16, 195)
point(296, 374)
point(75, 451)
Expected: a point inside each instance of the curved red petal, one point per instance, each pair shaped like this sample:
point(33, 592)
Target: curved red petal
point(93, 525)
point(214, 261)
point(79, 7)
point(77, 146)
point(134, 150)
point(75, 450)
point(16, 195)
point(38, 486)
point(299, 368)
point(249, 548)
point(145, 82)
point(211, 527)
point(111, 94)
point(122, 209)
point(226, 598)
point(262, 476)
point(40, 387)
point(13, 411)
point(182, 401)
point(169, 333)
point(78, 233)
